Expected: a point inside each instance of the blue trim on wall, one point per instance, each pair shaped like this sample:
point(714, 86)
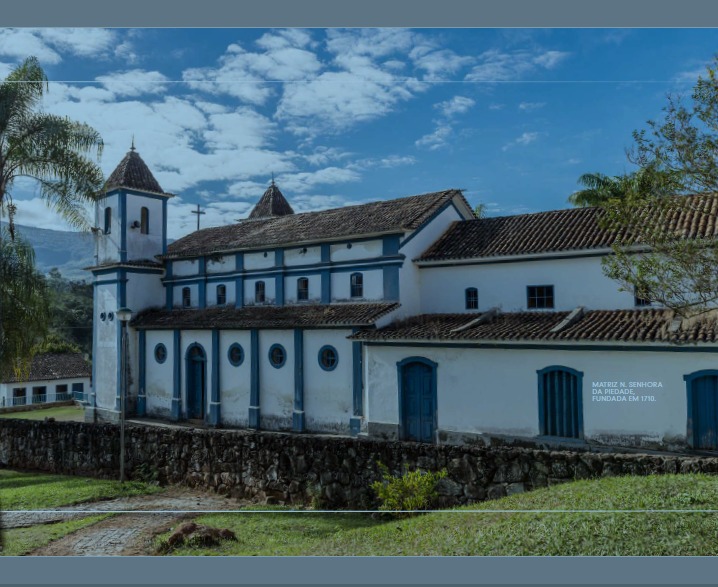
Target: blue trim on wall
point(690, 427)
point(391, 283)
point(325, 252)
point(298, 422)
point(214, 401)
point(279, 258)
point(279, 290)
point(357, 388)
point(176, 376)
point(239, 292)
point(95, 326)
point(122, 202)
point(121, 303)
point(427, 222)
point(164, 226)
point(326, 286)
point(434, 384)
point(254, 380)
point(202, 269)
point(141, 395)
point(135, 192)
point(553, 347)
point(169, 290)
point(116, 266)
point(390, 245)
point(579, 398)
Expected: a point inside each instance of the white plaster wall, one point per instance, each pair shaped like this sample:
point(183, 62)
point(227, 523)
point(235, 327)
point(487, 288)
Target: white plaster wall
point(108, 245)
point(106, 346)
point(188, 267)
point(177, 295)
point(144, 290)
point(212, 292)
point(222, 264)
point(269, 290)
point(276, 396)
point(234, 382)
point(577, 282)
point(410, 291)
point(294, 257)
point(359, 250)
point(290, 288)
point(495, 391)
point(6, 389)
point(258, 260)
point(327, 394)
point(373, 285)
point(158, 376)
point(203, 338)
point(144, 246)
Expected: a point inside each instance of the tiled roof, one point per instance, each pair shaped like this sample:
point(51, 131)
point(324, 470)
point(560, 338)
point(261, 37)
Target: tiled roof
point(272, 203)
point(50, 366)
point(639, 326)
point(376, 217)
point(294, 316)
point(132, 172)
point(564, 230)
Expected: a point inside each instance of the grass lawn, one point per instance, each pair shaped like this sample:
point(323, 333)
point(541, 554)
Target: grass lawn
point(61, 414)
point(19, 541)
point(28, 491)
point(461, 532)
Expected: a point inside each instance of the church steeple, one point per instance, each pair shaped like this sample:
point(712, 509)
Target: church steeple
point(271, 204)
point(133, 173)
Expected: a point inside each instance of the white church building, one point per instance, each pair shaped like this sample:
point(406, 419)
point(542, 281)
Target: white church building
point(400, 319)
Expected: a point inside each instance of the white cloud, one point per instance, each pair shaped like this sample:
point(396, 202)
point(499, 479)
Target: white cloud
point(436, 139)
point(322, 155)
point(457, 105)
point(529, 106)
point(19, 43)
point(438, 64)
point(497, 106)
point(525, 139)
point(573, 161)
point(496, 65)
point(134, 82)
point(47, 44)
point(298, 183)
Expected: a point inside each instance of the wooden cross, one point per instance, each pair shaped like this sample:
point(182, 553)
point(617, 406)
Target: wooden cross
point(198, 212)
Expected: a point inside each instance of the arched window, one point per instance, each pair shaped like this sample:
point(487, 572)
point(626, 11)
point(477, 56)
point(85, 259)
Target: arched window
point(472, 298)
point(186, 297)
point(259, 292)
point(144, 221)
point(221, 295)
point(302, 288)
point(108, 220)
point(357, 285)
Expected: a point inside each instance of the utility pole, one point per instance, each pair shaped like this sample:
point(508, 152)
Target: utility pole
point(198, 212)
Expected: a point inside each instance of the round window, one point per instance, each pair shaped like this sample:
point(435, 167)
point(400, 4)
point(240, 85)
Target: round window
point(235, 355)
point(328, 358)
point(277, 355)
point(103, 316)
point(111, 316)
point(160, 353)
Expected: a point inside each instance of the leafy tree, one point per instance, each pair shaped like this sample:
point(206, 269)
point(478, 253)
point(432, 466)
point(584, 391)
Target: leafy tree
point(54, 151)
point(677, 159)
point(480, 210)
point(70, 306)
point(54, 343)
point(23, 305)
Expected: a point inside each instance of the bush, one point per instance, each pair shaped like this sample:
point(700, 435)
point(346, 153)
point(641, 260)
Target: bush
point(414, 490)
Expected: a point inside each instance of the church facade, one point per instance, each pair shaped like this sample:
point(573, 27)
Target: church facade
point(400, 319)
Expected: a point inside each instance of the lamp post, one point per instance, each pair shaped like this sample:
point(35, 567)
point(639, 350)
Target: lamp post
point(123, 315)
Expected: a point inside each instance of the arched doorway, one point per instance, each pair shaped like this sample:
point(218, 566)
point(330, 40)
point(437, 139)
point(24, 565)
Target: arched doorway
point(417, 399)
point(702, 427)
point(196, 370)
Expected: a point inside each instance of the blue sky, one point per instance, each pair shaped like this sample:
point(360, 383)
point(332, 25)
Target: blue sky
point(342, 116)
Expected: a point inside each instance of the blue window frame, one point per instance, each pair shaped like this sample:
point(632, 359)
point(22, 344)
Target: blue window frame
point(235, 354)
point(186, 297)
point(539, 297)
point(221, 295)
point(328, 358)
point(472, 298)
point(160, 353)
point(144, 220)
point(277, 356)
point(259, 292)
point(302, 288)
point(108, 220)
point(357, 285)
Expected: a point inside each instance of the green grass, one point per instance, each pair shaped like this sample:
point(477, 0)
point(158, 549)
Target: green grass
point(461, 532)
point(19, 541)
point(61, 414)
point(28, 491)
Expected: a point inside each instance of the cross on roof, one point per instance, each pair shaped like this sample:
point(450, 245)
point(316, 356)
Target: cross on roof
point(198, 212)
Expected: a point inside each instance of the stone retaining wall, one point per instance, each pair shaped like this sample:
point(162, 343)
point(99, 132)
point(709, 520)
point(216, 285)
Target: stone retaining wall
point(293, 468)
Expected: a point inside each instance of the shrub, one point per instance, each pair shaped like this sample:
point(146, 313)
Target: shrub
point(414, 490)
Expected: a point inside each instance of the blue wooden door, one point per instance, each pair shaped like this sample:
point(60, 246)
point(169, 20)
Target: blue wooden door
point(560, 406)
point(705, 411)
point(418, 402)
point(195, 383)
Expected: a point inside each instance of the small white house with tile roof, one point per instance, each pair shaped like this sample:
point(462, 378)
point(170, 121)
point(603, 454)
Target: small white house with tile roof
point(401, 319)
point(52, 377)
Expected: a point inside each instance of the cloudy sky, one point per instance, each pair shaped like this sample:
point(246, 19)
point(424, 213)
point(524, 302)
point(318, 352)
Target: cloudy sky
point(511, 116)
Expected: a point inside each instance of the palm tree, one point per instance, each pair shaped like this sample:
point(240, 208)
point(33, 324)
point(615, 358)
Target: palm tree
point(53, 151)
point(647, 182)
point(50, 149)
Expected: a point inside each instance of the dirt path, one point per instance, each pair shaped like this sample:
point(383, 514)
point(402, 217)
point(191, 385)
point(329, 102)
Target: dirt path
point(127, 533)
